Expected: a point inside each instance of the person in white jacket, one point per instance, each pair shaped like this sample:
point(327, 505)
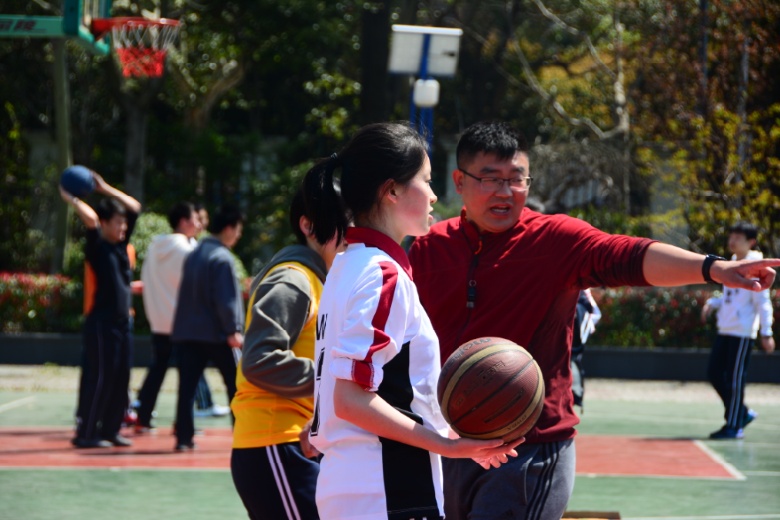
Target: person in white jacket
point(741, 314)
point(161, 276)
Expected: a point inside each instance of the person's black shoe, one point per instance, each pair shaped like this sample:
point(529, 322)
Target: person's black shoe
point(184, 446)
point(82, 443)
point(119, 441)
point(728, 433)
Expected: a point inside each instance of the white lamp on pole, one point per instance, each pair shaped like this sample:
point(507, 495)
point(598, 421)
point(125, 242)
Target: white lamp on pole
point(426, 93)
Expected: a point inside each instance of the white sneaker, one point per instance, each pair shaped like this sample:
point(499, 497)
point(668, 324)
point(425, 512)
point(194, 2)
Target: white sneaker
point(219, 411)
point(215, 411)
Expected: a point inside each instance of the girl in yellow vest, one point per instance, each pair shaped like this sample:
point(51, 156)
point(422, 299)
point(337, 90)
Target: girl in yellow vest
point(275, 379)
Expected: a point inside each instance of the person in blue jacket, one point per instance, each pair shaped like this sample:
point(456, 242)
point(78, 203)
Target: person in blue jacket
point(209, 320)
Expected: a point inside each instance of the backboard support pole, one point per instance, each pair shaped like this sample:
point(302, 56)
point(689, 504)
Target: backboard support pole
point(64, 154)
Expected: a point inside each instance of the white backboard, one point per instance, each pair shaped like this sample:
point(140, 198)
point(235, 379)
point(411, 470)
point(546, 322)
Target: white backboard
point(407, 47)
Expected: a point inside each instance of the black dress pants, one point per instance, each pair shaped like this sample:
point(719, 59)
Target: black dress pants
point(193, 358)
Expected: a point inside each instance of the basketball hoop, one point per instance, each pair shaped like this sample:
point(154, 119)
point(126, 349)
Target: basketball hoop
point(141, 44)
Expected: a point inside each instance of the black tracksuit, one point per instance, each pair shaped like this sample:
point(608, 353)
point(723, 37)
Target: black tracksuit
point(108, 350)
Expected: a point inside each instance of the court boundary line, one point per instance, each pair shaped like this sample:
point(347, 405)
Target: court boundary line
point(759, 473)
point(662, 477)
point(764, 516)
point(720, 460)
point(17, 403)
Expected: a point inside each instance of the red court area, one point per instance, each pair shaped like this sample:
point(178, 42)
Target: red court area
point(596, 454)
point(638, 456)
point(51, 447)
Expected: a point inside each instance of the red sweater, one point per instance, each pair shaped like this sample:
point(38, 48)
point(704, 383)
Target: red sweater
point(524, 284)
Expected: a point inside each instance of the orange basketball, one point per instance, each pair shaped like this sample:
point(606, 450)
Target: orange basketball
point(491, 388)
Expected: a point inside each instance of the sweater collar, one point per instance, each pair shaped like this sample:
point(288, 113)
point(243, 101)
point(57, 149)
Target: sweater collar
point(372, 238)
point(477, 239)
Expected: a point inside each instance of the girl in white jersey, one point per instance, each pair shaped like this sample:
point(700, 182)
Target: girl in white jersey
point(376, 418)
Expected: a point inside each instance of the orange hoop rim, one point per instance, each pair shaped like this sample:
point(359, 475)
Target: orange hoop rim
point(101, 26)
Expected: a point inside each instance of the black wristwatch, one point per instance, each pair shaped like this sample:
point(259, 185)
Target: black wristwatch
point(705, 267)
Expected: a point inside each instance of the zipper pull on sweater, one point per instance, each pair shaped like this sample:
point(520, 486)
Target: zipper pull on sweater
point(471, 290)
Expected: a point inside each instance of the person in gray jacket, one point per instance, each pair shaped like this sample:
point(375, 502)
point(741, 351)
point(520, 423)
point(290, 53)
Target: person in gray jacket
point(209, 318)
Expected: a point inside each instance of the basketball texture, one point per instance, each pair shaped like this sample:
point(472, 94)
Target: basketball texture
point(491, 388)
point(77, 180)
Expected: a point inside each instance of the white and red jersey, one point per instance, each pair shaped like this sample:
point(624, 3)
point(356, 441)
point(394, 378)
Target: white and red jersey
point(373, 330)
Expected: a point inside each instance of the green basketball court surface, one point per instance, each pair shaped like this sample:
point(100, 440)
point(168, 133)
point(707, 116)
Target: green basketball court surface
point(643, 452)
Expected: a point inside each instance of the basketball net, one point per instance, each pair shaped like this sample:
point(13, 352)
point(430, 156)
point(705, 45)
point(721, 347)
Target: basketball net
point(141, 45)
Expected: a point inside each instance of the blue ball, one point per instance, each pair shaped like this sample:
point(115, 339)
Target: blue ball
point(77, 180)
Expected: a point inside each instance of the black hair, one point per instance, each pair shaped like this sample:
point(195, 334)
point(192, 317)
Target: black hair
point(298, 209)
point(745, 228)
point(377, 153)
point(107, 208)
point(227, 215)
point(490, 137)
point(182, 210)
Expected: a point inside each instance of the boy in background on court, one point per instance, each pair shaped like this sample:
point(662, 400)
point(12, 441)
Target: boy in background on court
point(741, 315)
point(107, 329)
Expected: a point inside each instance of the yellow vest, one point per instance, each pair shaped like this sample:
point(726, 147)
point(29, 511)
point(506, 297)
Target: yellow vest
point(264, 418)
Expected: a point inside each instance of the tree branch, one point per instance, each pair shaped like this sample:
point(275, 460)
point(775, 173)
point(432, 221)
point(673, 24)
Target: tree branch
point(550, 99)
point(576, 32)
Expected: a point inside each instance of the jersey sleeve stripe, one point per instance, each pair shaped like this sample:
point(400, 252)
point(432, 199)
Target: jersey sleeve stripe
point(363, 371)
point(389, 281)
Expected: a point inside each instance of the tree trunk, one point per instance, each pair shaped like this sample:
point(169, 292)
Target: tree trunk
point(64, 157)
point(703, 24)
point(621, 110)
point(135, 149)
point(744, 70)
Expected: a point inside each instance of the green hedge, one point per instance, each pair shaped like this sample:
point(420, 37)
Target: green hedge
point(39, 303)
point(645, 317)
point(657, 317)
point(48, 303)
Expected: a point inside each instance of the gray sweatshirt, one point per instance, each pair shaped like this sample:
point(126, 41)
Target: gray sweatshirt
point(279, 307)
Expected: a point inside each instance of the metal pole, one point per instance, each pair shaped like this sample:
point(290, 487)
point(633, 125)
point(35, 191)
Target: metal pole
point(426, 115)
point(412, 108)
point(64, 158)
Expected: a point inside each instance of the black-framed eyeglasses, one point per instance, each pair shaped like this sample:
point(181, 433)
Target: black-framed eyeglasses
point(493, 184)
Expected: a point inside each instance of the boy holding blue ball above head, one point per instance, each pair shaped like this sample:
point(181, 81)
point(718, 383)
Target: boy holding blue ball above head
point(106, 361)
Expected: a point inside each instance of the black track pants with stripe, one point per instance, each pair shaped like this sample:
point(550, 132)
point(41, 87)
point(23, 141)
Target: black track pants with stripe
point(727, 372)
point(276, 482)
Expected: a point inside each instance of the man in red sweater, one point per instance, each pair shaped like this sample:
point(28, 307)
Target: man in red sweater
point(501, 269)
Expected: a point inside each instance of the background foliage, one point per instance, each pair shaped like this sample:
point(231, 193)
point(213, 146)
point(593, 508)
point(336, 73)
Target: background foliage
point(631, 317)
point(647, 117)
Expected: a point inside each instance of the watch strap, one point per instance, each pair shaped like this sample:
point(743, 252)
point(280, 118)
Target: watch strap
point(707, 265)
